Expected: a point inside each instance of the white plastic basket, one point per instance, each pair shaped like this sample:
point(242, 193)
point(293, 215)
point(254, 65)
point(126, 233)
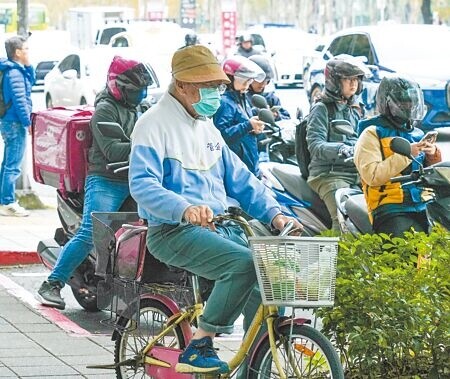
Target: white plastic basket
point(296, 271)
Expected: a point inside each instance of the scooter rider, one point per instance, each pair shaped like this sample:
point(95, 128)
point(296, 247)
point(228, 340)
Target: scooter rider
point(190, 39)
point(328, 169)
point(182, 173)
point(393, 208)
point(256, 87)
point(245, 43)
point(126, 87)
point(234, 118)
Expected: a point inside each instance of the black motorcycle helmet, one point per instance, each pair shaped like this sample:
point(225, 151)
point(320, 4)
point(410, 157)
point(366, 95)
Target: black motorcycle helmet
point(191, 39)
point(264, 63)
point(339, 68)
point(245, 38)
point(127, 79)
point(400, 100)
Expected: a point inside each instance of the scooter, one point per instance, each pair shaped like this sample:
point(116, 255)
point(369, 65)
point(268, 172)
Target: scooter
point(70, 210)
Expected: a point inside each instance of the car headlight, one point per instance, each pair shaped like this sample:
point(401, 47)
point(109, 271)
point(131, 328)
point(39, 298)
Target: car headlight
point(447, 93)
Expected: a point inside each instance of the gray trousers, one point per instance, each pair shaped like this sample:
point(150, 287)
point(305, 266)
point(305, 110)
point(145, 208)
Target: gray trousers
point(326, 185)
point(223, 257)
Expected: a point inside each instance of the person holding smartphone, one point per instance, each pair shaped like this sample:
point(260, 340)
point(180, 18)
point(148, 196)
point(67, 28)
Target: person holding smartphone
point(394, 208)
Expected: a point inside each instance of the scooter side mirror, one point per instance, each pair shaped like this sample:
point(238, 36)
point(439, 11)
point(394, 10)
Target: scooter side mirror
point(401, 146)
point(343, 127)
point(444, 134)
point(112, 130)
point(259, 101)
point(266, 115)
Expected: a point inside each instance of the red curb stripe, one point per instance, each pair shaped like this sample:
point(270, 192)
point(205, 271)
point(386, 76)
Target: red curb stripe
point(51, 314)
point(10, 258)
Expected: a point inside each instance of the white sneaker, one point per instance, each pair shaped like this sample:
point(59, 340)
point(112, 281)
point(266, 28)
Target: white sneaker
point(13, 209)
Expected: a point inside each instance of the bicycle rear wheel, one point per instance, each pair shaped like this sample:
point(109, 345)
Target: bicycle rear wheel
point(153, 317)
point(304, 353)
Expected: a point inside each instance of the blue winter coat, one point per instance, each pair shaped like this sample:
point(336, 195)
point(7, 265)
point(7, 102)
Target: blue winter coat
point(17, 83)
point(232, 119)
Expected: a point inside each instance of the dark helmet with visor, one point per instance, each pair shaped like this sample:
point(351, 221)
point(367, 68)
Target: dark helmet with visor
point(401, 101)
point(247, 37)
point(128, 79)
point(341, 67)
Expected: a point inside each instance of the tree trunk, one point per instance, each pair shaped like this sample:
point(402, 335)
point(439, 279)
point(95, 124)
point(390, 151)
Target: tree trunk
point(426, 12)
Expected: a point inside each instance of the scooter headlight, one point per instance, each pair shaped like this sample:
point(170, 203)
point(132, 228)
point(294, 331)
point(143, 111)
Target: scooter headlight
point(444, 172)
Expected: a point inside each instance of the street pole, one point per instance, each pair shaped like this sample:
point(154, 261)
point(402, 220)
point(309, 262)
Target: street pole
point(22, 18)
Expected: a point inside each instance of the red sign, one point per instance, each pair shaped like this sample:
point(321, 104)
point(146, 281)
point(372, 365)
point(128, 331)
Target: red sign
point(229, 25)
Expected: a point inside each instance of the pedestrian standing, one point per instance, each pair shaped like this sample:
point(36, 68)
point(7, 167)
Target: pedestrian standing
point(18, 78)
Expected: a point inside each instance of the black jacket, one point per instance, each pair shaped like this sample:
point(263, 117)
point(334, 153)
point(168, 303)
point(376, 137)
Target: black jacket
point(106, 149)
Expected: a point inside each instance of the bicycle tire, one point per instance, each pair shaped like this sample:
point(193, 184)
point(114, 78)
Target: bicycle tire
point(324, 363)
point(153, 315)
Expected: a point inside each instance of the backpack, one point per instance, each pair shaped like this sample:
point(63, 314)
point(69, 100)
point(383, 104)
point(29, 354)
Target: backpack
point(3, 106)
point(301, 146)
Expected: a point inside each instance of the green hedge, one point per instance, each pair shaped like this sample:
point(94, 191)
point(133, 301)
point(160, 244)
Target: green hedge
point(390, 319)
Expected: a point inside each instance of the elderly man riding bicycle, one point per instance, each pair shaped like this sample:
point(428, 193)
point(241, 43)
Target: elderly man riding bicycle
point(182, 174)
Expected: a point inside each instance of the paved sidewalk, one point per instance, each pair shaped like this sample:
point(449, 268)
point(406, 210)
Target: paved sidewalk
point(19, 236)
point(33, 347)
point(40, 342)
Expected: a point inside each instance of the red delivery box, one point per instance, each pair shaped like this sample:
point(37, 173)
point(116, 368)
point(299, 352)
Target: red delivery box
point(61, 139)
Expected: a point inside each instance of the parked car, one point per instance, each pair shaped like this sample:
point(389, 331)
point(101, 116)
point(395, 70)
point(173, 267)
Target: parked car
point(42, 69)
point(417, 51)
point(290, 47)
point(286, 46)
point(81, 74)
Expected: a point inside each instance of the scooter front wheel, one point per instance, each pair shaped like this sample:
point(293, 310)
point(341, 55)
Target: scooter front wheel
point(303, 352)
point(153, 316)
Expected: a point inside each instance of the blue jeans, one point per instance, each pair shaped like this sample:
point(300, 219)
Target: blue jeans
point(101, 195)
point(15, 139)
point(223, 257)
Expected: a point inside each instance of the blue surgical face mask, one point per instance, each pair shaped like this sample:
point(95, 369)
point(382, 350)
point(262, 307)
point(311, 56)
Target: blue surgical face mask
point(209, 102)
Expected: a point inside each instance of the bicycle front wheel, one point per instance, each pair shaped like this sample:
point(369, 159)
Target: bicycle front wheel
point(153, 318)
point(303, 352)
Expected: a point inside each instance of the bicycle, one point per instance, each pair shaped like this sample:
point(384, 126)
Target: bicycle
point(151, 329)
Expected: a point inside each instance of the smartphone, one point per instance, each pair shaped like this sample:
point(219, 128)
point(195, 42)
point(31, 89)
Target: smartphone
point(430, 137)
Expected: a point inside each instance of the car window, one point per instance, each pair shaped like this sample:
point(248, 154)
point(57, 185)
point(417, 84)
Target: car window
point(71, 62)
point(66, 63)
point(108, 33)
point(361, 47)
point(258, 40)
point(76, 65)
point(341, 45)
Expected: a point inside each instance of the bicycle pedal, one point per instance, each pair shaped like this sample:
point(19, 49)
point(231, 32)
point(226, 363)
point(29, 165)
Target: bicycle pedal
point(207, 376)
